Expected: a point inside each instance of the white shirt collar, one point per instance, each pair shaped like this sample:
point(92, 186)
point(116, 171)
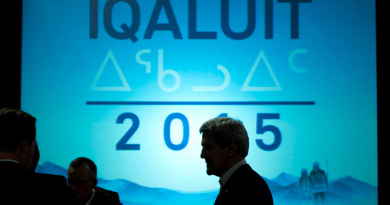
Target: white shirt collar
point(89, 201)
point(225, 177)
point(8, 160)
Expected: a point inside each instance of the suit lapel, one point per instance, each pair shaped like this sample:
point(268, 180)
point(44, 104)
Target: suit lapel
point(231, 183)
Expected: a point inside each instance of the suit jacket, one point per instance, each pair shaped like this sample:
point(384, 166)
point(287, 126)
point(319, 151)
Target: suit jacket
point(19, 186)
point(245, 186)
point(105, 197)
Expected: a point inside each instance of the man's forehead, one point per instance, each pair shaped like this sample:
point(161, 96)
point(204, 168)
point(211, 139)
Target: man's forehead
point(207, 135)
point(207, 138)
point(81, 171)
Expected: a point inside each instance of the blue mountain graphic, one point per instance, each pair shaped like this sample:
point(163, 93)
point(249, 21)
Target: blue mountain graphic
point(362, 192)
point(271, 183)
point(285, 179)
point(284, 189)
point(341, 189)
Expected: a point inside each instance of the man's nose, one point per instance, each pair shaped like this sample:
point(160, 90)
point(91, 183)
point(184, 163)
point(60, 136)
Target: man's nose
point(202, 154)
point(74, 188)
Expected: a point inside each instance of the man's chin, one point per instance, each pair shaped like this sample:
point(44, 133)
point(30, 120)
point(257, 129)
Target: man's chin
point(209, 171)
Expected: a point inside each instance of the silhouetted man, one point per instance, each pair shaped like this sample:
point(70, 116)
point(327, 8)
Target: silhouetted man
point(82, 178)
point(225, 145)
point(19, 185)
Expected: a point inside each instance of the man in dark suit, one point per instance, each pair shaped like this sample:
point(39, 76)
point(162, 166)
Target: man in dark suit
point(82, 178)
point(225, 145)
point(18, 185)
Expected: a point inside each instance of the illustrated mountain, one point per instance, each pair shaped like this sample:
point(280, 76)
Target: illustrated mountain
point(284, 189)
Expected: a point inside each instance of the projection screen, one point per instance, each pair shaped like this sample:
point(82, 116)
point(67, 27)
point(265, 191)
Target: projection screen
point(128, 83)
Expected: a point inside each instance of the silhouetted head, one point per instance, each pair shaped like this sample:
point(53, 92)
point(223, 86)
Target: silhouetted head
point(17, 136)
point(304, 172)
point(316, 165)
point(82, 175)
point(225, 142)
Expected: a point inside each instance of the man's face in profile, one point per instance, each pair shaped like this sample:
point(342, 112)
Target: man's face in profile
point(79, 180)
point(216, 157)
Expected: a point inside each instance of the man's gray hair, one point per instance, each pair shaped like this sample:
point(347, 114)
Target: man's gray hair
point(226, 130)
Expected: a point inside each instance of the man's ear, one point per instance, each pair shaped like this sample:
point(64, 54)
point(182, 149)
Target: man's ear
point(232, 149)
point(94, 182)
point(23, 145)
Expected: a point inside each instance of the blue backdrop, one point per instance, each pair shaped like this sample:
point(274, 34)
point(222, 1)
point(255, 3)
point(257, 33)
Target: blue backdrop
point(128, 84)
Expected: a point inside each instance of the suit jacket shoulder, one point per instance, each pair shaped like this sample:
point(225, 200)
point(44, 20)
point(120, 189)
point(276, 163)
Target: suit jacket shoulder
point(14, 181)
point(49, 179)
point(24, 187)
point(105, 197)
point(245, 186)
point(55, 189)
